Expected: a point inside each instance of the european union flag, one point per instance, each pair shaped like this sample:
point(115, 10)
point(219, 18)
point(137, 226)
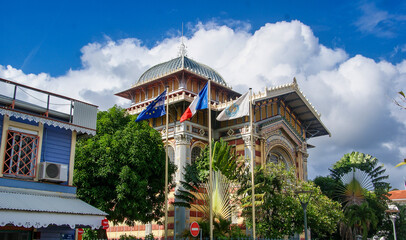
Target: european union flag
point(154, 109)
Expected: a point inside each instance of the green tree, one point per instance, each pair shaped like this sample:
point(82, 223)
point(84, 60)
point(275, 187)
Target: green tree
point(227, 171)
point(360, 182)
point(197, 174)
point(361, 217)
point(327, 186)
point(278, 210)
point(120, 169)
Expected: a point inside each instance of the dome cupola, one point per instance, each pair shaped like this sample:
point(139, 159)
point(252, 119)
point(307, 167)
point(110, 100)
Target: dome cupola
point(179, 64)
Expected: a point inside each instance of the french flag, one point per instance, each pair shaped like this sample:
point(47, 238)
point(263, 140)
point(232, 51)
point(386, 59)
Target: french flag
point(200, 102)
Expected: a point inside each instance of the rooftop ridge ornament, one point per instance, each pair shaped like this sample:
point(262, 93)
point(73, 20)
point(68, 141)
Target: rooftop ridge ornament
point(182, 49)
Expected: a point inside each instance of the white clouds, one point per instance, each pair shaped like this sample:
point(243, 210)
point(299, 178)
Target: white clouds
point(377, 21)
point(354, 95)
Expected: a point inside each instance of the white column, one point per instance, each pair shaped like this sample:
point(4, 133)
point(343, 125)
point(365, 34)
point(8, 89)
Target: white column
point(249, 146)
point(182, 156)
point(305, 156)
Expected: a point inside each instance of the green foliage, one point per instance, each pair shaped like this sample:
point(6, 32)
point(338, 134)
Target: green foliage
point(131, 237)
point(362, 190)
point(272, 219)
point(327, 186)
point(226, 172)
point(224, 161)
point(372, 178)
point(323, 213)
point(365, 163)
point(120, 169)
point(149, 237)
point(278, 210)
point(361, 217)
point(89, 234)
point(222, 229)
point(236, 232)
point(128, 237)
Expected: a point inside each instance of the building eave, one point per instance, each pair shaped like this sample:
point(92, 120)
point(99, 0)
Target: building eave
point(313, 124)
point(127, 93)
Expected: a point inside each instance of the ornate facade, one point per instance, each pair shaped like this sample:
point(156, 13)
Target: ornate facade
point(283, 121)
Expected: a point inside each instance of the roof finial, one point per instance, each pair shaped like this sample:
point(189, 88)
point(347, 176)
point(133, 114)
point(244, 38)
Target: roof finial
point(294, 81)
point(182, 49)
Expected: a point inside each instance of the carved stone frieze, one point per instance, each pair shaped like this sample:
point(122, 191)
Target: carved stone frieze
point(183, 139)
point(305, 156)
point(247, 139)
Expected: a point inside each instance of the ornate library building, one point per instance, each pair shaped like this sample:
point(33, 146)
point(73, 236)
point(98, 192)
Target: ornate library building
point(283, 121)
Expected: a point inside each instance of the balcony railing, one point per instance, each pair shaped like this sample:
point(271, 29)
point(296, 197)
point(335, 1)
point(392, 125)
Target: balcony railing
point(35, 102)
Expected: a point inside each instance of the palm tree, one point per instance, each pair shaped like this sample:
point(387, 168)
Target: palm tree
point(359, 168)
point(227, 171)
point(361, 217)
point(360, 184)
point(196, 174)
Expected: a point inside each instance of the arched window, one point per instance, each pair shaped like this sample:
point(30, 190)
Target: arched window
point(195, 154)
point(274, 158)
point(279, 155)
point(171, 154)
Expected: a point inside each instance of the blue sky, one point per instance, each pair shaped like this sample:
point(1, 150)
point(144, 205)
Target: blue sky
point(349, 57)
point(46, 36)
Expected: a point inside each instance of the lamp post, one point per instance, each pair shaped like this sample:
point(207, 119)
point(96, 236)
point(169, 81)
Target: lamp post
point(304, 198)
point(392, 212)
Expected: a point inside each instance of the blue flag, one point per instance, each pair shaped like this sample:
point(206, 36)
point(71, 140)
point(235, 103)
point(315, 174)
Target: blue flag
point(154, 109)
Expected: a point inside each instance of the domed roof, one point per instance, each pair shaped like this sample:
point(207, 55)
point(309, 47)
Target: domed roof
point(177, 64)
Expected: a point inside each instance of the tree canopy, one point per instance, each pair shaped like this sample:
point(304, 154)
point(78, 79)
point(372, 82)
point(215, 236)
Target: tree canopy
point(278, 210)
point(121, 170)
point(357, 181)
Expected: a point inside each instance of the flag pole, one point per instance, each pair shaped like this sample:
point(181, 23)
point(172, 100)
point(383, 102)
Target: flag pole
point(166, 163)
point(210, 160)
point(252, 165)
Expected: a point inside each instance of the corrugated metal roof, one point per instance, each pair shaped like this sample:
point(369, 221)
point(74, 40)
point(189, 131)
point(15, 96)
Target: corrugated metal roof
point(41, 201)
point(44, 219)
point(175, 65)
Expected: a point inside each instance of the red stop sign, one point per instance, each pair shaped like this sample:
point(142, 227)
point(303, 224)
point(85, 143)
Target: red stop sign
point(80, 231)
point(194, 229)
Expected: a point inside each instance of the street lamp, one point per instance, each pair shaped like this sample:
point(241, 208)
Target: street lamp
point(304, 198)
point(392, 212)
